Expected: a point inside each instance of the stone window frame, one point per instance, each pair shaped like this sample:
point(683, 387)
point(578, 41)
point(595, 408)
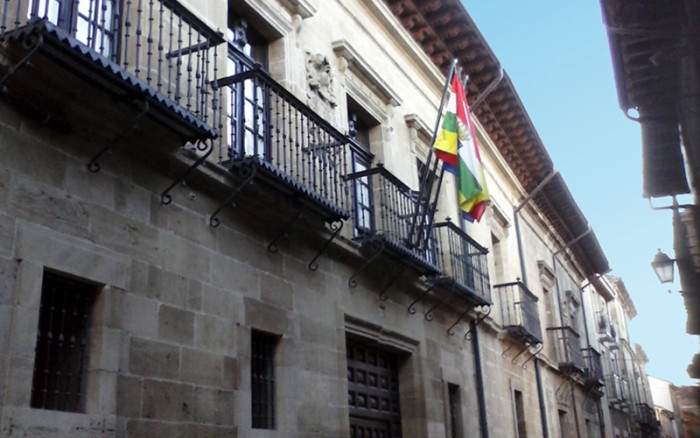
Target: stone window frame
point(277, 22)
point(361, 69)
point(38, 250)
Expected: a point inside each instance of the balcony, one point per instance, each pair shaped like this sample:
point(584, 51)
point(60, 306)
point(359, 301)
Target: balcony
point(270, 134)
point(593, 372)
point(606, 328)
point(615, 389)
point(519, 311)
point(645, 415)
point(566, 348)
point(464, 264)
point(386, 224)
point(73, 63)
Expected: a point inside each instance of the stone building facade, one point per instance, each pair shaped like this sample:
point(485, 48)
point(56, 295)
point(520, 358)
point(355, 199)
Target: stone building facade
point(211, 225)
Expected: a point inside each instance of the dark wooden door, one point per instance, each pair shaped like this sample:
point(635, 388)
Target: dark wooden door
point(373, 392)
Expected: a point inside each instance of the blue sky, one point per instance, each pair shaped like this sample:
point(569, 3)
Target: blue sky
point(556, 54)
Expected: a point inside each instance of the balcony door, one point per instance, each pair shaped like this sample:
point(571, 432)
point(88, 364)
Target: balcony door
point(92, 22)
point(247, 105)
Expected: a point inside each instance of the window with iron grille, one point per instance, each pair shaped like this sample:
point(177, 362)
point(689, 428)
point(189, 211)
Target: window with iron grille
point(61, 344)
point(262, 381)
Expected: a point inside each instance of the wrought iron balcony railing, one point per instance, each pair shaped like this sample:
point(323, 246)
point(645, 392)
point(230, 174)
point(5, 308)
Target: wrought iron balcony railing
point(645, 414)
point(388, 225)
point(519, 311)
point(158, 47)
point(265, 127)
point(464, 262)
point(615, 389)
point(567, 348)
point(593, 373)
point(606, 328)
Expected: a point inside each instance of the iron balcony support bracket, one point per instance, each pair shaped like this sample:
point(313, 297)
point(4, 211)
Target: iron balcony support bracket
point(429, 314)
point(272, 247)
point(504, 353)
point(412, 306)
point(515, 358)
point(31, 42)
point(451, 332)
point(93, 166)
point(468, 334)
point(165, 198)
point(380, 249)
point(397, 273)
point(335, 226)
point(540, 346)
point(246, 172)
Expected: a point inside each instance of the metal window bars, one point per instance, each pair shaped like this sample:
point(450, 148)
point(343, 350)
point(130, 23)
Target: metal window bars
point(262, 379)
point(61, 344)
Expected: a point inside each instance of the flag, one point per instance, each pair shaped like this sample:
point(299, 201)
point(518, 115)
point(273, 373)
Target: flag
point(456, 146)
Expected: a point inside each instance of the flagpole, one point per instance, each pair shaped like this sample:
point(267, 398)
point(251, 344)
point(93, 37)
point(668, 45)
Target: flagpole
point(431, 216)
point(424, 177)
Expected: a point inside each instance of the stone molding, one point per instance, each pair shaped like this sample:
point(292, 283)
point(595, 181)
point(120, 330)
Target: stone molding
point(361, 68)
point(379, 335)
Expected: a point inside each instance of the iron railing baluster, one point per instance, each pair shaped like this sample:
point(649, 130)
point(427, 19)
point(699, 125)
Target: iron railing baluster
point(149, 44)
point(137, 50)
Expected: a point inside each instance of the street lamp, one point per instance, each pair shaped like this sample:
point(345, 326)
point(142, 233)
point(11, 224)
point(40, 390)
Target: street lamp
point(663, 266)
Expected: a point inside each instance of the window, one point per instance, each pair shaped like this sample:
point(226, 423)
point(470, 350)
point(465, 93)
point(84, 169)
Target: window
point(454, 407)
point(362, 187)
point(93, 22)
point(245, 102)
point(498, 262)
point(61, 344)
point(563, 423)
point(519, 413)
point(262, 379)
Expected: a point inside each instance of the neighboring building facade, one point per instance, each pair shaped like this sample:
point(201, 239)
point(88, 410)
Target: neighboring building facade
point(689, 404)
point(665, 396)
point(627, 397)
point(221, 233)
point(655, 48)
